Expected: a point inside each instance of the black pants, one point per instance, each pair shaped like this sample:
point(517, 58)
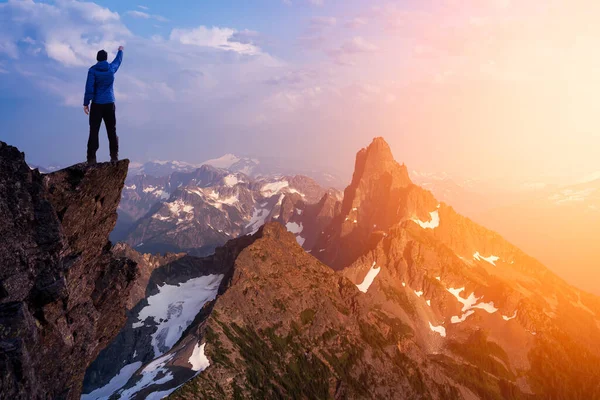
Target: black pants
point(98, 113)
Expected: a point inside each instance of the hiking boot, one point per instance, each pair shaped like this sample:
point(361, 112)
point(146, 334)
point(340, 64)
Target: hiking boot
point(114, 159)
point(91, 161)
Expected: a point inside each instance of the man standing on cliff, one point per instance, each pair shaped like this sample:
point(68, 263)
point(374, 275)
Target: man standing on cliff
point(99, 90)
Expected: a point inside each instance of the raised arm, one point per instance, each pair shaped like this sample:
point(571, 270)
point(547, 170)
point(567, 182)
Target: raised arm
point(114, 66)
point(89, 88)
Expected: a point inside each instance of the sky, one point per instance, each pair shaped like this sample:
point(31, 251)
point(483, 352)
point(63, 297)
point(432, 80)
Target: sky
point(475, 88)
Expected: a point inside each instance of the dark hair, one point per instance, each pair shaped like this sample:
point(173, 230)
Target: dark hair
point(102, 56)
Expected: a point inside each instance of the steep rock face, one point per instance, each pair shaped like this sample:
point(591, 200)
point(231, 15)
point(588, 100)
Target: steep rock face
point(62, 292)
point(147, 264)
point(379, 196)
point(308, 221)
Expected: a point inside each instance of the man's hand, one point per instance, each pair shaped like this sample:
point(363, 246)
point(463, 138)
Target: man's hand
point(121, 48)
point(86, 110)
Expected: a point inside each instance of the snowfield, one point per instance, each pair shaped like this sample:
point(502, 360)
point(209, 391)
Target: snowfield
point(275, 187)
point(115, 383)
point(174, 308)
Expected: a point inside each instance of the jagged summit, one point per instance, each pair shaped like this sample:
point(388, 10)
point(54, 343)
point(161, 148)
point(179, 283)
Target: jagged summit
point(62, 292)
point(380, 195)
point(377, 158)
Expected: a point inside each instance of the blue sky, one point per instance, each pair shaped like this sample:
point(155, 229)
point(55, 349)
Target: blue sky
point(473, 87)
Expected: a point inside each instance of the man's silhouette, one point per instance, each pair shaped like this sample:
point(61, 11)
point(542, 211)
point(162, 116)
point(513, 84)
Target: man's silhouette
point(99, 90)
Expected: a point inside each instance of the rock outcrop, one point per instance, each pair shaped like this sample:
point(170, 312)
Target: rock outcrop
point(62, 291)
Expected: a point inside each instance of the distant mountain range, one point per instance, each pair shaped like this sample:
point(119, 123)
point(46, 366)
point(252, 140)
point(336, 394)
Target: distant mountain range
point(197, 211)
point(249, 166)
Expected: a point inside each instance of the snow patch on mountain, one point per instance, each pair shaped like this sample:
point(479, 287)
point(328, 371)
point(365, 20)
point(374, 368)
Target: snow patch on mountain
point(259, 216)
point(231, 180)
point(217, 201)
point(469, 304)
point(178, 206)
point(506, 318)
point(456, 319)
point(274, 187)
point(224, 162)
point(150, 376)
point(115, 383)
point(439, 329)
point(489, 307)
point(294, 227)
point(431, 224)
point(369, 278)
point(198, 359)
point(491, 259)
point(174, 308)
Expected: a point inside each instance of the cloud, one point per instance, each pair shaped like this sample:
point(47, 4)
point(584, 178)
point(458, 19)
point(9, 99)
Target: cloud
point(138, 14)
point(145, 15)
point(317, 3)
point(357, 45)
point(323, 22)
point(69, 32)
point(143, 7)
point(216, 38)
point(356, 23)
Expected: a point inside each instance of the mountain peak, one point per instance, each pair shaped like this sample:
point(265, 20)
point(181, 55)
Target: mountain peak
point(375, 161)
point(374, 201)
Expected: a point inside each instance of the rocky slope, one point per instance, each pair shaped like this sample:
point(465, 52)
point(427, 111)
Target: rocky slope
point(308, 221)
point(62, 291)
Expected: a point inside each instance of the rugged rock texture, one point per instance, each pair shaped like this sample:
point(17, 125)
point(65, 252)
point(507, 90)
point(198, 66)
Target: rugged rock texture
point(290, 327)
point(379, 196)
point(62, 292)
point(308, 221)
point(147, 264)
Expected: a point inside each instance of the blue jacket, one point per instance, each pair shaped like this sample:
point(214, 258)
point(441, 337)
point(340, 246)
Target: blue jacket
point(100, 79)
